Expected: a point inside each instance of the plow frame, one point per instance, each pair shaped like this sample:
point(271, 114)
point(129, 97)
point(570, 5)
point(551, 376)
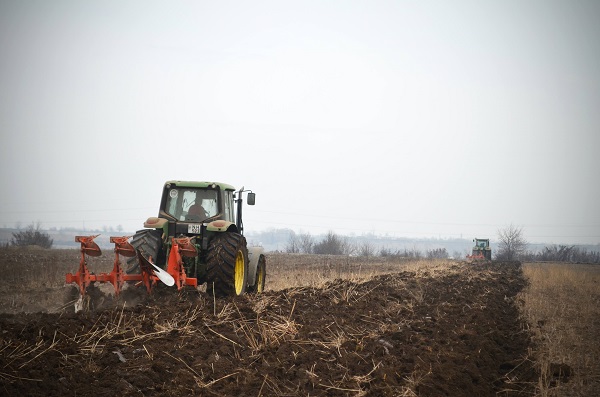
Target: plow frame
point(180, 247)
point(479, 255)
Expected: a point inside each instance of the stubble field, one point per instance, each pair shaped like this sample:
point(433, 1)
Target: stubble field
point(327, 326)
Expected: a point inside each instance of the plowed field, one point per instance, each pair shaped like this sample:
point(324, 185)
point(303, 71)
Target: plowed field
point(453, 330)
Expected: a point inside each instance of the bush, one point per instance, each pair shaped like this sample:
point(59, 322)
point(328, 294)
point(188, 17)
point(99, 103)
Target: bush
point(407, 254)
point(32, 236)
point(437, 253)
point(332, 244)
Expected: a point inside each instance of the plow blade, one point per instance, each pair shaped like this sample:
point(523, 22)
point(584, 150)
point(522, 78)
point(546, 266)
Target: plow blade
point(149, 269)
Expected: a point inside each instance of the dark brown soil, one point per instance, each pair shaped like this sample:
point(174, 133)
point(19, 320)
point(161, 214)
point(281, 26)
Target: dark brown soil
point(450, 333)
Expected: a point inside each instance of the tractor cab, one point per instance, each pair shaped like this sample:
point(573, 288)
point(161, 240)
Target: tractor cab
point(185, 203)
point(482, 243)
point(193, 208)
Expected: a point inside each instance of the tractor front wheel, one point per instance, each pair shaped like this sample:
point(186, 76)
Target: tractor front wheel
point(227, 264)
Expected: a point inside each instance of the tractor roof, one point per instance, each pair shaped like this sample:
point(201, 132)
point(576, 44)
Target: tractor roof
point(223, 186)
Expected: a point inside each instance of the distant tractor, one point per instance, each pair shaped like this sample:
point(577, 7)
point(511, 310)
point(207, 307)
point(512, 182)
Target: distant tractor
point(196, 238)
point(481, 250)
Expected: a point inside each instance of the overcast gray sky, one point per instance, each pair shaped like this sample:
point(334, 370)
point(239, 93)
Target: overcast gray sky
point(418, 119)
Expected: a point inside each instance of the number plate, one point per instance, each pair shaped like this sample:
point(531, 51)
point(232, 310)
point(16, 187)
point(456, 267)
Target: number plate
point(194, 228)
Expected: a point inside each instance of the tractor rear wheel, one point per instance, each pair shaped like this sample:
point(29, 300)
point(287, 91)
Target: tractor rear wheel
point(149, 242)
point(261, 275)
point(227, 264)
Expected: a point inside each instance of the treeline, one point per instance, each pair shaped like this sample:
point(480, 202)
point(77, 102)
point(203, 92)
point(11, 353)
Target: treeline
point(562, 253)
point(436, 253)
point(333, 244)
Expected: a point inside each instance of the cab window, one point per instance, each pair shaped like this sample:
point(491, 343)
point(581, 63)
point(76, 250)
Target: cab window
point(228, 205)
point(192, 204)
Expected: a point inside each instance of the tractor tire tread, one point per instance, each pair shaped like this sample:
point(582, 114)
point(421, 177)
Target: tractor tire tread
point(149, 242)
point(220, 263)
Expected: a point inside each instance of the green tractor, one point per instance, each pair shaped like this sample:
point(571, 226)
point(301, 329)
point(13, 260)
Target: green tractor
point(481, 250)
point(198, 238)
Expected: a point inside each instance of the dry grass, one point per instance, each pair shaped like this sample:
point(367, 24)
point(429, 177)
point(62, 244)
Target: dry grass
point(302, 270)
point(562, 306)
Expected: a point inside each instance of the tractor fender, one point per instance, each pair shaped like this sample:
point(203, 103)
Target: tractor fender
point(254, 254)
point(221, 226)
point(158, 223)
point(155, 223)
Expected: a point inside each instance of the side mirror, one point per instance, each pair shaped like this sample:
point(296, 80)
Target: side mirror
point(251, 198)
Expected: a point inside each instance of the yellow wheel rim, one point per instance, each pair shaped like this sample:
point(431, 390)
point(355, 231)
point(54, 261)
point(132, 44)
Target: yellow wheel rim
point(239, 275)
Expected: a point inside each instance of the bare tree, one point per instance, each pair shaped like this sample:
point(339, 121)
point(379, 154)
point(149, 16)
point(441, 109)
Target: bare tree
point(306, 243)
point(512, 243)
point(348, 248)
point(292, 246)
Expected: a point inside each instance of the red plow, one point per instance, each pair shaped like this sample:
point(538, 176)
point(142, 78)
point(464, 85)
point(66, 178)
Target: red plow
point(476, 256)
point(149, 274)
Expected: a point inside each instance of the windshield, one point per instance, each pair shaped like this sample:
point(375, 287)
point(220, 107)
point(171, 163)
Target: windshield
point(191, 204)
